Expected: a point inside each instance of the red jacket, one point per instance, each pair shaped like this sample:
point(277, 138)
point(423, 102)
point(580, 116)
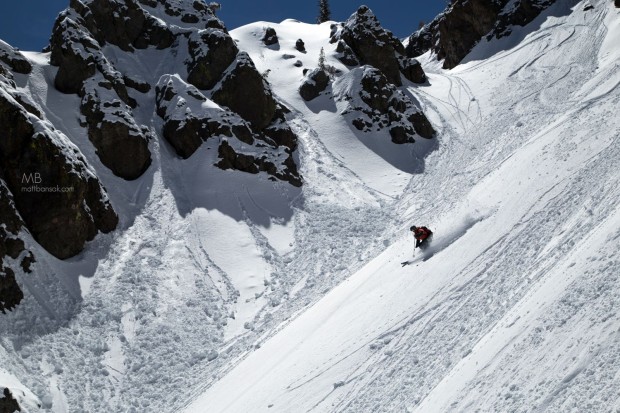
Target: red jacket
point(422, 233)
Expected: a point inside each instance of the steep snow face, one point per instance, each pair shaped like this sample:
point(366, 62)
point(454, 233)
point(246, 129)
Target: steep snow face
point(512, 309)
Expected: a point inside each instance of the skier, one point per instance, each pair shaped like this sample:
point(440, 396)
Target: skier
point(422, 235)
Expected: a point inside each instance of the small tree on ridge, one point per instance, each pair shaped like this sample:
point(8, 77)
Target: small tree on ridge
point(322, 59)
point(324, 12)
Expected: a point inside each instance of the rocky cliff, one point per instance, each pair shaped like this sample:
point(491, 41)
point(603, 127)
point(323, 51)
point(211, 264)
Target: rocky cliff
point(91, 37)
point(453, 33)
point(46, 186)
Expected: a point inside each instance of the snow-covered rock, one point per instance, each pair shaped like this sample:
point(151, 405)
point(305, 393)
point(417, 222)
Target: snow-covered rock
point(212, 51)
point(270, 37)
point(244, 91)
point(316, 81)
point(300, 46)
point(56, 193)
point(14, 59)
point(373, 103)
point(111, 126)
point(372, 44)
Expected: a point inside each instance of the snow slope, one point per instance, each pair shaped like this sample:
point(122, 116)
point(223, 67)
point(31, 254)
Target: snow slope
point(515, 309)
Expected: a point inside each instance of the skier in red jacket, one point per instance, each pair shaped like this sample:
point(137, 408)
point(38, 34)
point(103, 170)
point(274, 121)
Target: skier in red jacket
point(422, 235)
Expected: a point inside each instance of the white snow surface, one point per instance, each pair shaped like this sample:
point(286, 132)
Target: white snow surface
point(227, 292)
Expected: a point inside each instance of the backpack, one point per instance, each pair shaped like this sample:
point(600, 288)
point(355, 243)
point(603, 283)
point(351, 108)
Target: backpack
point(422, 233)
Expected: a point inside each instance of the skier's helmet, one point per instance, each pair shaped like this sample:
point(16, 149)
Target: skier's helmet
point(413, 228)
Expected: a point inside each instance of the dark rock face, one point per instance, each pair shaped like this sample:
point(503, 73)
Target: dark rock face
point(10, 246)
point(212, 51)
point(73, 206)
point(140, 86)
point(423, 40)
point(421, 125)
point(236, 159)
point(14, 59)
point(379, 104)
point(300, 46)
point(345, 54)
point(106, 104)
point(107, 21)
point(244, 91)
point(279, 131)
point(74, 67)
point(523, 13)
point(467, 24)
point(371, 43)
point(270, 37)
point(464, 23)
point(10, 293)
point(77, 38)
point(110, 127)
point(7, 403)
point(412, 70)
point(617, 3)
point(187, 123)
point(315, 82)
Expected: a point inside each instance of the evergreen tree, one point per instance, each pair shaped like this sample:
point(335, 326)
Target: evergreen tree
point(322, 59)
point(324, 12)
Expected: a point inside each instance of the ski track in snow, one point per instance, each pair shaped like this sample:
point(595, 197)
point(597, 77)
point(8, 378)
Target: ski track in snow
point(513, 309)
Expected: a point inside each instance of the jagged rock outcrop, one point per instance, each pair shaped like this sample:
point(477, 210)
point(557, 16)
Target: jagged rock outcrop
point(361, 39)
point(378, 104)
point(374, 101)
point(190, 118)
point(106, 104)
point(212, 51)
point(518, 14)
point(453, 33)
point(412, 69)
point(7, 403)
point(345, 54)
point(11, 246)
point(60, 200)
point(14, 59)
point(270, 37)
point(136, 84)
point(279, 131)
point(112, 127)
point(79, 56)
point(314, 83)
point(106, 21)
point(236, 158)
point(244, 91)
